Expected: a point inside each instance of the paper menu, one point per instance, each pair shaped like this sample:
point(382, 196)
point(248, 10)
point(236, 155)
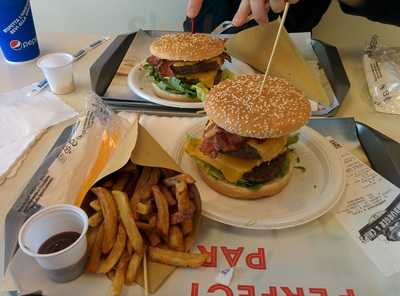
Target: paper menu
point(370, 212)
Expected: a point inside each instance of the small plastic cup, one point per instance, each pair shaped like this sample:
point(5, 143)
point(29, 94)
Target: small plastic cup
point(57, 68)
point(64, 265)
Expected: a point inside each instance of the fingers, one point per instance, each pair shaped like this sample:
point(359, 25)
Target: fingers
point(258, 9)
point(277, 6)
point(242, 13)
point(193, 8)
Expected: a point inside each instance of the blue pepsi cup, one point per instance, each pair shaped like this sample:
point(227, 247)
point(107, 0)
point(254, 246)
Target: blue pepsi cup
point(18, 40)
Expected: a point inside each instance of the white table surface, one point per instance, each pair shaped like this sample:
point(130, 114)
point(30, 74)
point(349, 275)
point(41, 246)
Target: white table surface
point(357, 104)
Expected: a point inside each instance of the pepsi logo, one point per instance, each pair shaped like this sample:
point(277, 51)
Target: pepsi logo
point(16, 44)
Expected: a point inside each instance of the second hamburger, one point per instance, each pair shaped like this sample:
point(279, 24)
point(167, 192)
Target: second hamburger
point(244, 151)
point(184, 66)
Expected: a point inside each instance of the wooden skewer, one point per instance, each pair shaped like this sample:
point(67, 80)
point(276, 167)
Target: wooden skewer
point(146, 284)
point(275, 45)
point(193, 26)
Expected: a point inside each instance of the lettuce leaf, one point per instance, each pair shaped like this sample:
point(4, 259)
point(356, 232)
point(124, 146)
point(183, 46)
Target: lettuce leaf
point(171, 84)
point(227, 74)
point(201, 91)
point(212, 171)
point(177, 86)
point(292, 139)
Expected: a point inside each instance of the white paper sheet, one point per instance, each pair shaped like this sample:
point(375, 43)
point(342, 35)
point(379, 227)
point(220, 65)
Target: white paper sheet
point(367, 197)
point(23, 119)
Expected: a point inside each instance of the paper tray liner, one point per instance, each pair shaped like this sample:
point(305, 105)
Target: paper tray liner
point(253, 46)
point(145, 151)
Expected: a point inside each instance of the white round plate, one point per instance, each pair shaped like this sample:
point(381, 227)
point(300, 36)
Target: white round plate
point(140, 84)
point(309, 194)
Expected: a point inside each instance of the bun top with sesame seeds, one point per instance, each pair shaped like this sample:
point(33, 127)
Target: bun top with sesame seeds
point(187, 47)
point(236, 106)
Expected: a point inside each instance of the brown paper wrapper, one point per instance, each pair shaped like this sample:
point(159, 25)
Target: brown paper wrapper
point(253, 46)
point(141, 148)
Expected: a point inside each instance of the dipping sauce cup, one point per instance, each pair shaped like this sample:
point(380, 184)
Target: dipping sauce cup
point(56, 237)
point(57, 68)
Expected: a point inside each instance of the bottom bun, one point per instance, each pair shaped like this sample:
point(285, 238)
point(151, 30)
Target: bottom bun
point(171, 96)
point(269, 189)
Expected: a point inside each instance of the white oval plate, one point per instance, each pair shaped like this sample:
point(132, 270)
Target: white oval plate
point(308, 196)
point(140, 84)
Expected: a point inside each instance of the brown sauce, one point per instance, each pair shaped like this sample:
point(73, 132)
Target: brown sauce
point(58, 242)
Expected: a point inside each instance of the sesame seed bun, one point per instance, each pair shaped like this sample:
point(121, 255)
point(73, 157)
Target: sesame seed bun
point(171, 96)
point(269, 189)
point(236, 106)
point(187, 47)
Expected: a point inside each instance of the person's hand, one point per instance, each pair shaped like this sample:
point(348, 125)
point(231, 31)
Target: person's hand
point(259, 9)
point(193, 8)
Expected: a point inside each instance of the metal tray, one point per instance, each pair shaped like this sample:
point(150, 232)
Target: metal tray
point(104, 69)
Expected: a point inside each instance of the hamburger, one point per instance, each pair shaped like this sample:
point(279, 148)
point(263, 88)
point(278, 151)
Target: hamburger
point(185, 66)
point(245, 148)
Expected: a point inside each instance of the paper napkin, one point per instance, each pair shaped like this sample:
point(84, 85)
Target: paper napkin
point(23, 119)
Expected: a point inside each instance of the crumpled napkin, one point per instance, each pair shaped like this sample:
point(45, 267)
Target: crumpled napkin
point(172, 131)
point(22, 120)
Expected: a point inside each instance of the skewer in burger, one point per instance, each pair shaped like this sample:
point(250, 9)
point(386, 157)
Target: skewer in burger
point(245, 148)
point(185, 66)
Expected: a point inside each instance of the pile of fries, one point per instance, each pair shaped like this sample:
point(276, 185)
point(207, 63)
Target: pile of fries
point(137, 210)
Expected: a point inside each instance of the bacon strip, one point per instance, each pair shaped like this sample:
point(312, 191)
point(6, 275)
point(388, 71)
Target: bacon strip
point(216, 139)
point(165, 68)
point(162, 66)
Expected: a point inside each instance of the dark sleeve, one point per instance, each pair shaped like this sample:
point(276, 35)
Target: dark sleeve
point(302, 16)
point(384, 11)
point(305, 15)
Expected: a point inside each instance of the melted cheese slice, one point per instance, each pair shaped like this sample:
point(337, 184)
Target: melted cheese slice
point(207, 78)
point(232, 167)
point(269, 148)
point(217, 59)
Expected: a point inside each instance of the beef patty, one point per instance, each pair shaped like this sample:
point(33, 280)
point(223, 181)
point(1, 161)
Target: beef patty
point(266, 171)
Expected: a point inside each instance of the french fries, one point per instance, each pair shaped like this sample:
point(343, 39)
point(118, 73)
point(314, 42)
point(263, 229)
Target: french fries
point(133, 267)
point(153, 238)
point(126, 216)
point(187, 226)
point(119, 278)
point(171, 181)
point(182, 196)
point(175, 258)
point(121, 182)
point(95, 219)
point(107, 184)
point(143, 208)
point(91, 238)
point(95, 205)
point(116, 252)
point(144, 225)
point(179, 217)
point(168, 195)
point(129, 249)
point(148, 178)
point(162, 211)
point(95, 252)
point(157, 219)
point(175, 239)
point(109, 211)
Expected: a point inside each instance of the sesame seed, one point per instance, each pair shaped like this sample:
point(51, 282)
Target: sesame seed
point(236, 106)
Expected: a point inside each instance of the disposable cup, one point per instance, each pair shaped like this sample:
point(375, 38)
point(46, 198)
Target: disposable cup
point(64, 265)
point(57, 68)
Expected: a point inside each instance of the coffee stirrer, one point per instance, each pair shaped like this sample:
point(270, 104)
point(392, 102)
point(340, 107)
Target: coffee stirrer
point(285, 11)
